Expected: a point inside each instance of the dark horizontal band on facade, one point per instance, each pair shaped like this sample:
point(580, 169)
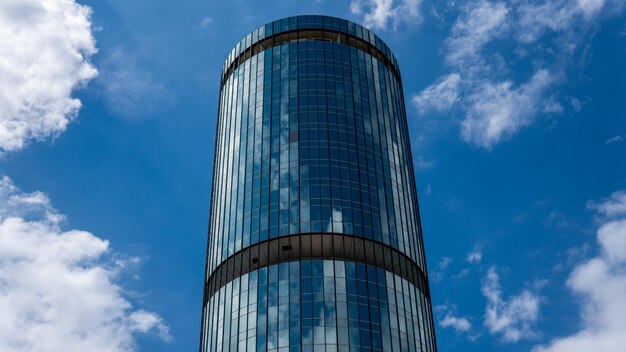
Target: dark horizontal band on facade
point(312, 34)
point(315, 246)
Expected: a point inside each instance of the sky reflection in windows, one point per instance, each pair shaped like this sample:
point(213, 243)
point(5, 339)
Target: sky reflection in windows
point(318, 305)
point(312, 138)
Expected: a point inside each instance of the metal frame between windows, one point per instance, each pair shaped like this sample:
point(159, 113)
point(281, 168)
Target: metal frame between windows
point(315, 246)
point(310, 34)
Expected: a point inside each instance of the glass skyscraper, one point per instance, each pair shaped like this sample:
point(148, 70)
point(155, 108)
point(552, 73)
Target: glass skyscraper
point(315, 242)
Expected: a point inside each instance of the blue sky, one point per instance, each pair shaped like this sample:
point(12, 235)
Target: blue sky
point(107, 122)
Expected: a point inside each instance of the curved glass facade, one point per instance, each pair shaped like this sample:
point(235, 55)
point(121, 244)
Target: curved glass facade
point(318, 305)
point(312, 139)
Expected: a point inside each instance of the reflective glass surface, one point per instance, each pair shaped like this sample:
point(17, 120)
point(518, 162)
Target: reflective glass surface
point(318, 305)
point(312, 138)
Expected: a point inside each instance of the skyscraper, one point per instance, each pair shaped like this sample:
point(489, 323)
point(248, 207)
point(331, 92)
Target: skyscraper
point(315, 241)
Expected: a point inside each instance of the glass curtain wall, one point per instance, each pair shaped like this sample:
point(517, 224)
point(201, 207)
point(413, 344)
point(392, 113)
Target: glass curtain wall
point(312, 139)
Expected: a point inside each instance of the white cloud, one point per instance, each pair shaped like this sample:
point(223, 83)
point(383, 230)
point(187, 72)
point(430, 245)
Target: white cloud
point(475, 256)
point(131, 91)
point(440, 96)
point(443, 264)
point(458, 324)
point(462, 274)
point(207, 21)
point(481, 23)
point(512, 318)
point(561, 15)
point(422, 163)
point(496, 111)
point(536, 18)
point(600, 282)
point(385, 13)
point(590, 7)
point(615, 139)
point(614, 206)
point(491, 40)
point(145, 322)
point(559, 221)
point(45, 50)
point(612, 237)
point(56, 293)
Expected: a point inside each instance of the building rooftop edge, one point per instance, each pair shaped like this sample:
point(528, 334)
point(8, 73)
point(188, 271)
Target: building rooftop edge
point(309, 22)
